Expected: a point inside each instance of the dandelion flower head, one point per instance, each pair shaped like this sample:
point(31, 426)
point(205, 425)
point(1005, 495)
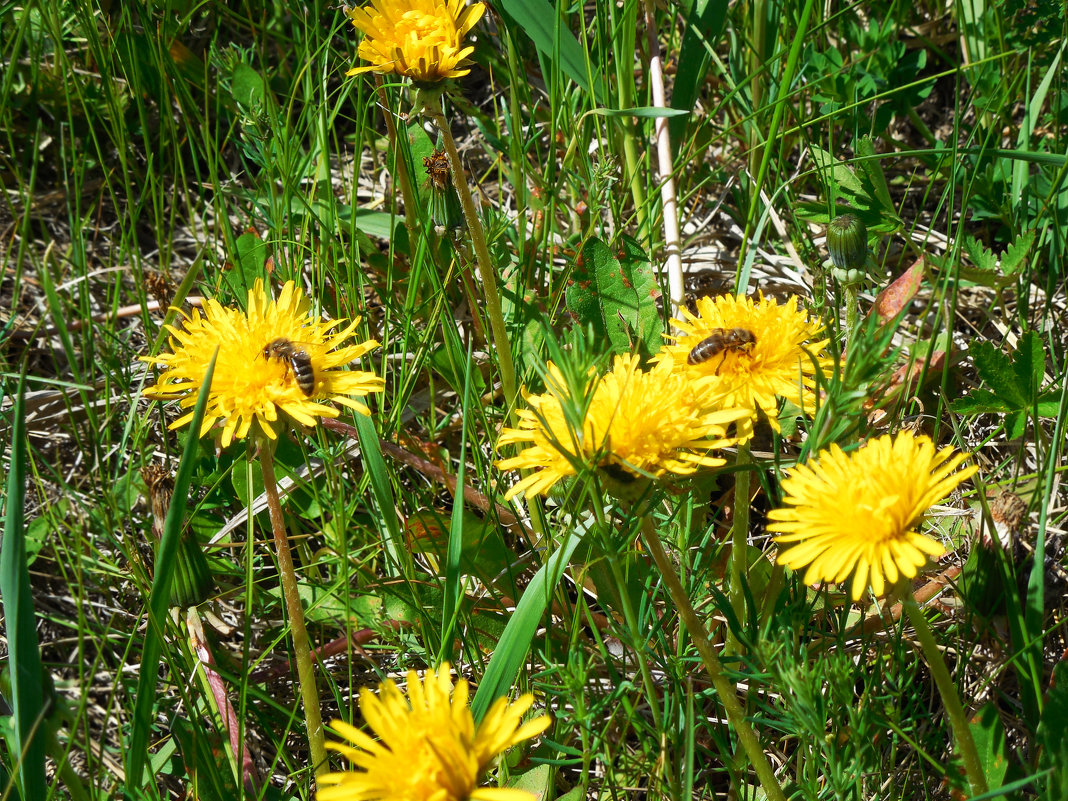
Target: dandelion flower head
point(775, 364)
point(250, 386)
point(858, 513)
point(644, 423)
point(427, 746)
point(419, 39)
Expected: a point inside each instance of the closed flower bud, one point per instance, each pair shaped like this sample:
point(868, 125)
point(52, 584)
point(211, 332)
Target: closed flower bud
point(847, 244)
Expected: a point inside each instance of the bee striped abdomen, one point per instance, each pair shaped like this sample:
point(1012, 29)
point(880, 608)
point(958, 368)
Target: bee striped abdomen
point(720, 341)
point(296, 360)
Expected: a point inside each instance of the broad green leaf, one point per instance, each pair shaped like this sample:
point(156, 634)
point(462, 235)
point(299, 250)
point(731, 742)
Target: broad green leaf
point(702, 29)
point(997, 372)
point(1016, 424)
point(248, 89)
point(981, 401)
point(863, 191)
point(542, 22)
point(377, 224)
point(618, 297)
point(251, 262)
point(838, 172)
point(988, 732)
point(872, 169)
point(535, 781)
point(1029, 365)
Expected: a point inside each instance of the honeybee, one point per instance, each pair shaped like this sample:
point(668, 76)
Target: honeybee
point(722, 340)
point(296, 359)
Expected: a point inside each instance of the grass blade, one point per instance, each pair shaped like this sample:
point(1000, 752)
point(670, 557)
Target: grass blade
point(24, 657)
point(160, 596)
point(512, 648)
point(380, 487)
point(456, 534)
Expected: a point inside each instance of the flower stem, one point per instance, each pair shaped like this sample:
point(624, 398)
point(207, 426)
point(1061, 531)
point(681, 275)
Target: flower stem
point(309, 693)
point(727, 692)
point(401, 166)
point(958, 721)
point(852, 298)
point(739, 541)
point(486, 271)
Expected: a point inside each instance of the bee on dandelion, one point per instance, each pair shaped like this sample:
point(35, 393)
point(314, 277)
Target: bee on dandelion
point(277, 364)
point(749, 353)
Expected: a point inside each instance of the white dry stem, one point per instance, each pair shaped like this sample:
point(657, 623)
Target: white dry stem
point(672, 249)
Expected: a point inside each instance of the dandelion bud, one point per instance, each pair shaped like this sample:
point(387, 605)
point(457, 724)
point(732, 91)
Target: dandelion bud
point(847, 244)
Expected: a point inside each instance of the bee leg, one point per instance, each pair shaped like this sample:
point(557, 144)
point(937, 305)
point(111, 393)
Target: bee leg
point(720, 365)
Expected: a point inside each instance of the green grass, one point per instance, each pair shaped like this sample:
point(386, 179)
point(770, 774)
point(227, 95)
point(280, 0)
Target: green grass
point(167, 139)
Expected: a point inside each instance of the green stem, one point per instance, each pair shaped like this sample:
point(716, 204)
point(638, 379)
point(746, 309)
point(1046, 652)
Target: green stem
point(758, 38)
point(727, 692)
point(783, 102)
point(309, 693)
point(958, 721)
point(739, 542)
point(486, 271)
point(401, 167)
point(852, 298)
point(636, 634)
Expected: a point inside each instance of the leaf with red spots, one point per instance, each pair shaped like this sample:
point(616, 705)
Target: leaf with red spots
point(616, 292)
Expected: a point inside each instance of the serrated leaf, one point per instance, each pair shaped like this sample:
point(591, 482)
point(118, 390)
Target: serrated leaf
point(981, 256)
point(997, 372)
point(988, 278)
point(1016, 253)
point(618, 298)
point(1029, 364)
point(981, 401)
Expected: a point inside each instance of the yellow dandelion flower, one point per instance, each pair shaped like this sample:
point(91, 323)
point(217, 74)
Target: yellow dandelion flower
point(644, 423)
point(859, 512)
point(252, 381)
point(749, 353)
point(419, 39)
point(427, 746)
